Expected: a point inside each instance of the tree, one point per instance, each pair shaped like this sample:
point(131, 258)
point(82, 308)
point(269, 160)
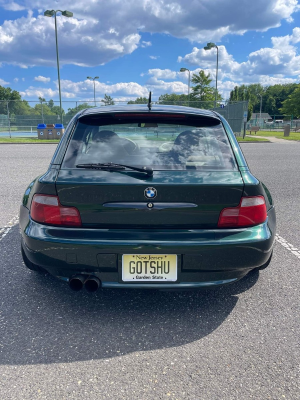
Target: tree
point(75, 110)
point(273, 97)
point(139, 100)
point(291, 106)
point(108, 101)
point(56, 110)
point(173, 99)
point(42, 108)
point(9, 97)
point(203, 94)
point(279, 94)
point(270, 105)
point(51, 104)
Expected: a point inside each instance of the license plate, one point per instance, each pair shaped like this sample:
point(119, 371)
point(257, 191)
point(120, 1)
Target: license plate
point(149, 267)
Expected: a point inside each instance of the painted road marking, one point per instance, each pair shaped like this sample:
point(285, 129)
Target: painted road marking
point(288, 246)
point(4, 231)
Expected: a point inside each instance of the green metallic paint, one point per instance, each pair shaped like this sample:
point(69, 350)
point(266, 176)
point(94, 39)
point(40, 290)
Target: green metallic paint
point(207, 257)
point(221, 254)
point(90, 190)
point(44, 184)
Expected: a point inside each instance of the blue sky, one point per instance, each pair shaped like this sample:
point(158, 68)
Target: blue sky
point(139, 46)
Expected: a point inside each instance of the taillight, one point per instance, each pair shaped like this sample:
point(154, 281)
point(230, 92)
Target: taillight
point(251, 211)
point(48, 210)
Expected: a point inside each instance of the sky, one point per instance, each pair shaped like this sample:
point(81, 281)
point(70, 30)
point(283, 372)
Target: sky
point(137, 46)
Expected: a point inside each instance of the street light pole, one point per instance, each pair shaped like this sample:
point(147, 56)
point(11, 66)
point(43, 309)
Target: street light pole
point(183, 70)
point(50, 13)
point(42, 110)
point(260, 110)
point(58, 73)
point(210, 46)
point(93, 79)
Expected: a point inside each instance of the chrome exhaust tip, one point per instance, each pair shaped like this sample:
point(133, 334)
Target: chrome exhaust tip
point(92, 284)
point(76, 282)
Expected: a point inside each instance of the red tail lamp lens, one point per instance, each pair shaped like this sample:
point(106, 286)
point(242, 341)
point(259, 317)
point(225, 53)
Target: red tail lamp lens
point(48, 210)
point(251, 211)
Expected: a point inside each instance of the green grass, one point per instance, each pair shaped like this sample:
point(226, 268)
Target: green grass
point(293, 135)
point(250, 139)
point(25, 140)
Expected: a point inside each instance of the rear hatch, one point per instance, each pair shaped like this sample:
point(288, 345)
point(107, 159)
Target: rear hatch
point(184, 199)
point(194, 177)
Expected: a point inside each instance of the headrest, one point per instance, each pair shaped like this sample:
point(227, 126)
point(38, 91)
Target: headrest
point(187, 139)
point(104, 136)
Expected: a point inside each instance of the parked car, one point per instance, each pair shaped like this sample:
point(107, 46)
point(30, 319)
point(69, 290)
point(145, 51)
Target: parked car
point(138, 198)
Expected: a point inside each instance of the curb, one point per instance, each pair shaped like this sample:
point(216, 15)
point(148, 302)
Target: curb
point(259, 141)
point(26, 143)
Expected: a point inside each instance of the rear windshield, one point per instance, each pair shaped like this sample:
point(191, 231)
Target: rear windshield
point(162, 145)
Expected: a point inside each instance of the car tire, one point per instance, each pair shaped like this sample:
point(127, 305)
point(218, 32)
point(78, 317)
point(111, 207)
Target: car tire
point(264, 266)
point(30, 265)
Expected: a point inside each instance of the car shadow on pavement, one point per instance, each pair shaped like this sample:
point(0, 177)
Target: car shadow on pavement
point(43, 321)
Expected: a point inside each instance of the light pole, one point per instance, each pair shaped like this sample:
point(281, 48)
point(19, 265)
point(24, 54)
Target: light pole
point(93, 79)
point(183, 70)
point(50, 13)
point(260, 109)
point(210, 46)
point(42, 109)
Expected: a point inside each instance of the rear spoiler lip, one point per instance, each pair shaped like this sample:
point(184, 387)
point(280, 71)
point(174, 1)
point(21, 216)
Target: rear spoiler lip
point(152, 114)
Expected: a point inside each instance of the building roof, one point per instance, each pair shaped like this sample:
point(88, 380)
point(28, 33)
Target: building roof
point(263, 115)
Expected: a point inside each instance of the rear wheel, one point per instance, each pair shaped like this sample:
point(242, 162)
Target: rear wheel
point(30, 265)
point(264, 266)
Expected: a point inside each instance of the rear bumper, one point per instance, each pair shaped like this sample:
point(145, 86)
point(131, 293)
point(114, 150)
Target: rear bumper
point(205, 257)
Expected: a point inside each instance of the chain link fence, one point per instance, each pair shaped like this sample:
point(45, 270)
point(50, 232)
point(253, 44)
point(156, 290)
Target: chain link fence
point(20, 118)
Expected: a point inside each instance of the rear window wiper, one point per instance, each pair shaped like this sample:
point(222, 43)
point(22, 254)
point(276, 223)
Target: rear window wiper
point(115, 167)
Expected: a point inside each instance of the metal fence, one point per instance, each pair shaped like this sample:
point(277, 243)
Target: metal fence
point(234, 114)
point(276, 126)
point(20, 118)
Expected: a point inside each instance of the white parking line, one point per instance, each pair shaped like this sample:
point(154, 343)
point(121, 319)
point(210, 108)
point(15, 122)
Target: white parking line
point(287, 245)
point(4, 231)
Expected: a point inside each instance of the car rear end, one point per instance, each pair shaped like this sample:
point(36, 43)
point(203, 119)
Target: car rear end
point(201, 219)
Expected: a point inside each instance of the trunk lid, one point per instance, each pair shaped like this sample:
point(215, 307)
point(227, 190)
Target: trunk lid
point(184, 199)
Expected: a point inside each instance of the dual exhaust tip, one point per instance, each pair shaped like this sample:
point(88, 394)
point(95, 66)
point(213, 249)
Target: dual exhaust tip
point(91, 283)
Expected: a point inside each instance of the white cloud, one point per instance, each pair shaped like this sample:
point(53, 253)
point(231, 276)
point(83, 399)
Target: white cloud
point(280, 61)
point(12, 6)
point(146, 44)
point(154, 57)
point(103, 31)
point(162, 73)
point(85, 89)
point(16, 79)
point(36, 92)
point(41, 79)
point(158, 86)
point(3, 83)
point(30, 41)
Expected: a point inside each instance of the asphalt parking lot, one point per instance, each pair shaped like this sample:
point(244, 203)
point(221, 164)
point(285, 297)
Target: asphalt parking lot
point(237, 342)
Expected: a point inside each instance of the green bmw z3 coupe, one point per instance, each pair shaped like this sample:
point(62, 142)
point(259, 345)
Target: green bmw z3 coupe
point(157, 198)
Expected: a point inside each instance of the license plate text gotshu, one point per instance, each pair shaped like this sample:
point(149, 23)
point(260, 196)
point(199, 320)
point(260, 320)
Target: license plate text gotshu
point(144, 264)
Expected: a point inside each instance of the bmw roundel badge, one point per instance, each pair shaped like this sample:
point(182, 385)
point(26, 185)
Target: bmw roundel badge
point(150, 193)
